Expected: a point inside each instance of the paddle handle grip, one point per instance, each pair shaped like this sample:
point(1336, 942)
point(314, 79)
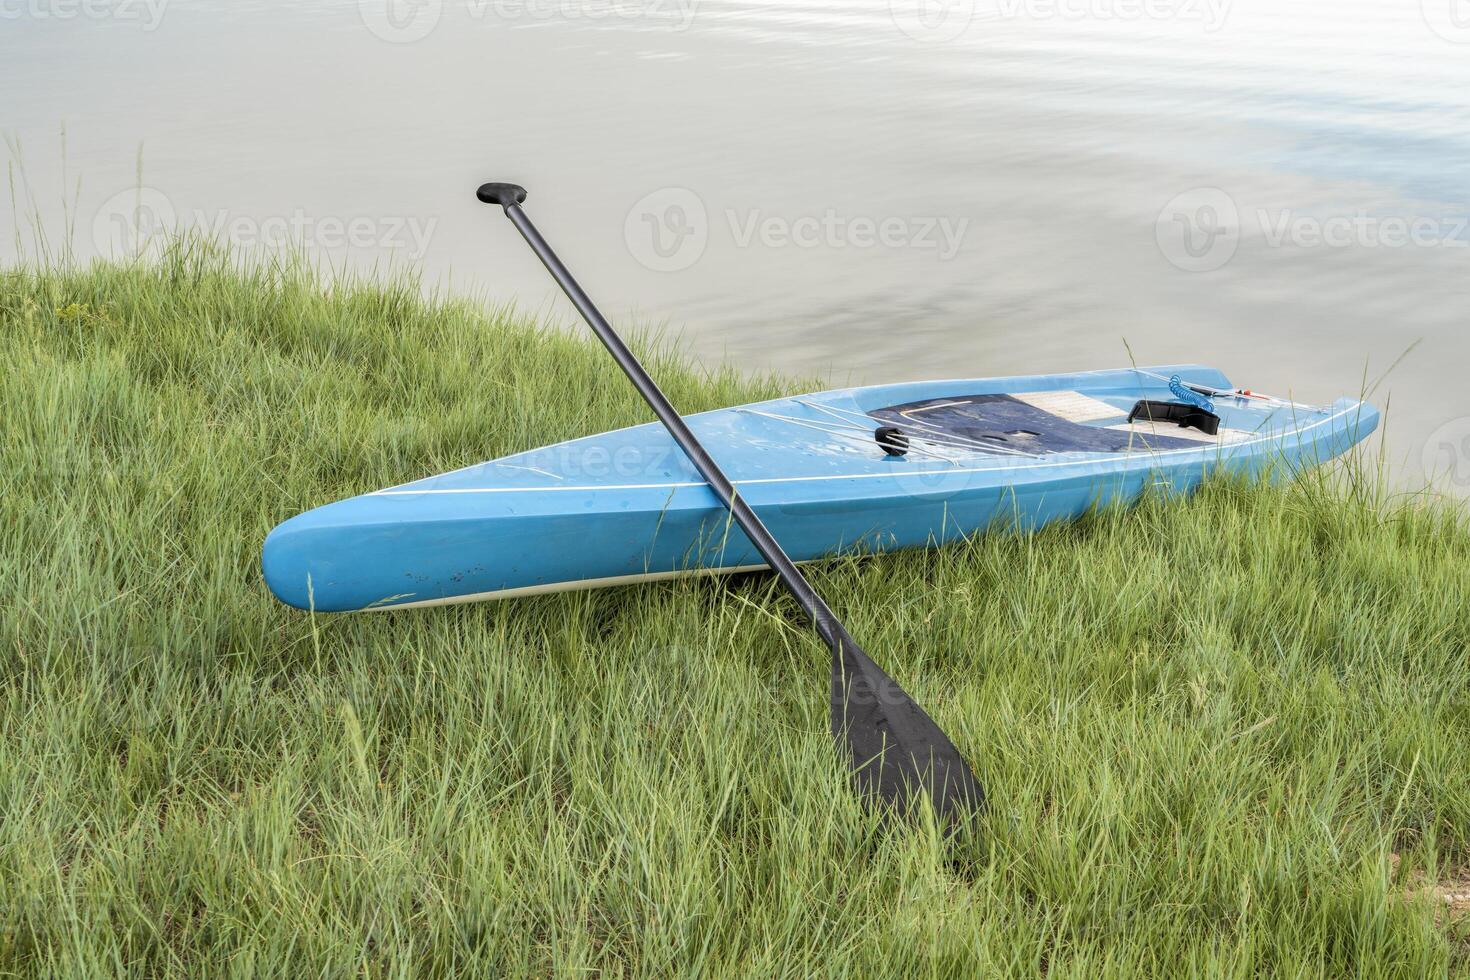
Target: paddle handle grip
point(502, 194)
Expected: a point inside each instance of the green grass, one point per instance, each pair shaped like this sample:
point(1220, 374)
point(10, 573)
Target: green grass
point(1206, 726)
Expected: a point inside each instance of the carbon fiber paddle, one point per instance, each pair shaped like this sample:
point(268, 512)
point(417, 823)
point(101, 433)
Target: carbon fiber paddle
point(894, 748)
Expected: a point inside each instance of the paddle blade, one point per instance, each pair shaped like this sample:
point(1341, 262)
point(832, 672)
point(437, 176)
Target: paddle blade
point(895, 749)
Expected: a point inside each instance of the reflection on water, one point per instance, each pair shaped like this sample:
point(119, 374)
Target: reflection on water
point(872, 191)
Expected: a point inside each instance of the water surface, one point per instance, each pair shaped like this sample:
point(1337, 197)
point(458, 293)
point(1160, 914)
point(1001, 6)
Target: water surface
point(869, 191)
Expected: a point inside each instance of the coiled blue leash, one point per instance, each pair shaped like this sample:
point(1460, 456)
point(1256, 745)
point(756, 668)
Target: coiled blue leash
point(1189, 395)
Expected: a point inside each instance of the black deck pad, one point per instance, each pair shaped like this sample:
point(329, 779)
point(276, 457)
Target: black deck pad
point(1012, 425)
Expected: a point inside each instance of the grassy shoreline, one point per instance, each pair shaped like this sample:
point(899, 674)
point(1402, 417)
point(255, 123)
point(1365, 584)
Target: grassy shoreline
point(1221, 736)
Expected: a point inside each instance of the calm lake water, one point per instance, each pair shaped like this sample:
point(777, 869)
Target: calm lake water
point(869, 191)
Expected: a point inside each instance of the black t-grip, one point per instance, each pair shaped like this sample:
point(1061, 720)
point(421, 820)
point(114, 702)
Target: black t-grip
point(502, 194)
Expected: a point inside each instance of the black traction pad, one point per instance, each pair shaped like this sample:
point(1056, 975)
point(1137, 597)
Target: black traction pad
point(1010, 425)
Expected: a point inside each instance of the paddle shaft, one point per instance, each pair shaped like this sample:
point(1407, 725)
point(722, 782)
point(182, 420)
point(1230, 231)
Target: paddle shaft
point(823, 619)
point(895, 748)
